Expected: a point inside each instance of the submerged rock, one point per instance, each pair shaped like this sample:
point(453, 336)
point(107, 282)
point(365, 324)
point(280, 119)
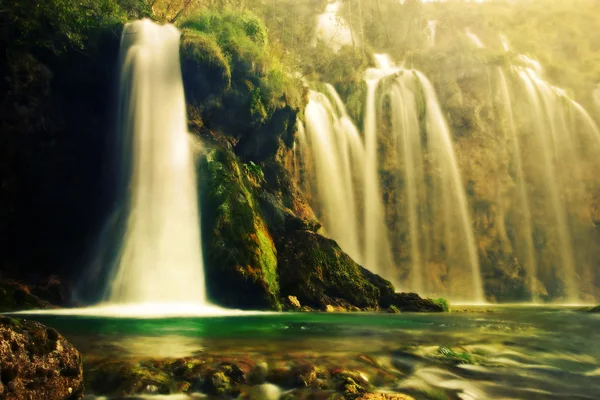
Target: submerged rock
point(36, 362)
point(385, 396)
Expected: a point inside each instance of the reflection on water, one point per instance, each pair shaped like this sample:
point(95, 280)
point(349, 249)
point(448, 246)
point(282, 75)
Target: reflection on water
point(510, 353)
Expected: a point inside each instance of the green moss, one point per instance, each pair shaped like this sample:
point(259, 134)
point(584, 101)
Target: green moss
point(203, 50)
point(319, 273)
point(442, 303)
point(240, 253)
point(261, 98)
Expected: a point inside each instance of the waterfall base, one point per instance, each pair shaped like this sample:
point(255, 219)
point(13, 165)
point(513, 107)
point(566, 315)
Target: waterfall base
point(144, 310)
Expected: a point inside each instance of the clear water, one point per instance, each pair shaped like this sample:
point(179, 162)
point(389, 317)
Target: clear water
point(519, 352)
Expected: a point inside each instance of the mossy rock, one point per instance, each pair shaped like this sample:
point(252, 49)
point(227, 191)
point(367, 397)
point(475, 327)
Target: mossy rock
point(204, 66)
point(240, 256)
point(316, 271)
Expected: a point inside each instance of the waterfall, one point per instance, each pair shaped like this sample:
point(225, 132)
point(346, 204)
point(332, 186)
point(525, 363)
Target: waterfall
point(161, 258)
point(332, 29)
point(474, 38)
point(554, 139)
point(431, 31)
point(525, 223)
point(430, 193)
point(332, 144)
point(349, 188)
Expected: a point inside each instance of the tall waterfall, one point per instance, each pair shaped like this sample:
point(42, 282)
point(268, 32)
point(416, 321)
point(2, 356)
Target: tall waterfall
point(426, 188)
point(555, 137)
point(161, 260)
point(429, 191)
point(333, 144)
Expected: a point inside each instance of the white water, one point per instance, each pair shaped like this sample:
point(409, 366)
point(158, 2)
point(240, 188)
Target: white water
point(526, 226)
point(161, 260)
point(333, 148)
point(474, 38)
point(431, 31)
point(564, 137)
point(332, 29)
point(430, 194)
point(347, 185)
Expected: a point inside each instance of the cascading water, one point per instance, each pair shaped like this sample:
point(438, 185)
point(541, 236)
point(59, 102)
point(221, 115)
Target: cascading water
point(429, 191)
point(550, 182)
point(332, 29)
point(161, 259)
point(332, 143)
point(431, 31)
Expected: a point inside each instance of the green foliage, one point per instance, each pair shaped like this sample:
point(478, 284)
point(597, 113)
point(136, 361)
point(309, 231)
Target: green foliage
point(59, 25)
point(202, 49)
point(255, 171)
point(442, 303)
point(238, 43)
point(241, 255)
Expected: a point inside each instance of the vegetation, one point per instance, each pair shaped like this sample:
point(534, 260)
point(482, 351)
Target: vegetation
point(442, 303)
point(229, 64)
point(241, 256)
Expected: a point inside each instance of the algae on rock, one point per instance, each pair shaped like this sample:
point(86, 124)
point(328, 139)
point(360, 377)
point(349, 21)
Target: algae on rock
point(241, 259)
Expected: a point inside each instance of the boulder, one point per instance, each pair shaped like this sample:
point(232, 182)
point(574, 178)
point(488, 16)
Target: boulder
point(316, 271)
point(36, 362)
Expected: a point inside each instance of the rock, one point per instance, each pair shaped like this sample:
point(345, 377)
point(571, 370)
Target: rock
point(259, 373)
point(393, 309)
point(385, 396)
point(316, 271)
point(241, 267)
point(127, 378)
point(412, 302)
point(265, 391)
point(304, 375)
point(594, 309)
point(293, 301)
point(15, 296)
point(218, 383)
point(36, 362)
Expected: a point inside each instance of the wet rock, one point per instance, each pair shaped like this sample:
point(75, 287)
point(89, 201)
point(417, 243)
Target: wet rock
point(218, 383)
point(127, 378)
point(412, 302)
point(259, 373)
point(316, 271)
point(265, 391)
point(385, 396)
point(36, 362)
point(293, 302)
point(241, 269)
point(393, 310)
point(281, 377)
point(352, 383)
point(304, 375)
point(15, 296)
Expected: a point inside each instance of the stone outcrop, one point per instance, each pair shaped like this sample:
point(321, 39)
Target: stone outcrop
point(36, 362)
